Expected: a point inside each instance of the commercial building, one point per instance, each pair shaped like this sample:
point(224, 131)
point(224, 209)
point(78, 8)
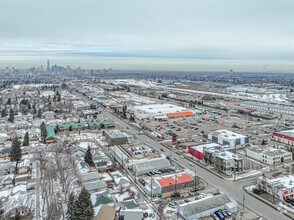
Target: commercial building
point(147, 165)
point(115, 137)
point(205, 207)
point(269, 155)
point(226, 137)
point(161, 111)
point(174, 181)
point(89, 114)
point(283, 185)
point(223, 160)
point(286, 137)
point(197, 151)
point(118, 154)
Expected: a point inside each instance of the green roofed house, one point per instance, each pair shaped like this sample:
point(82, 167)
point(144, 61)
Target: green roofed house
point(73, 125)
point(103, 198)
point(99, 123)
point(130, 204)
point(51, 132)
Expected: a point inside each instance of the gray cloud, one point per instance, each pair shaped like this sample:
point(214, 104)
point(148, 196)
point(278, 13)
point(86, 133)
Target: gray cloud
point(190, 29)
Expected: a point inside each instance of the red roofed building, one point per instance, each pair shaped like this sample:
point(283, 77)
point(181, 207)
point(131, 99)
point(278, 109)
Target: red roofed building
point(170, 182)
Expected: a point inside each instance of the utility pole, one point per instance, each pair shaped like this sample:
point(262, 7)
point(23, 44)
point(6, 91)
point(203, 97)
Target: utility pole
point(274, 160)
point(175, 183)
point(195, 178)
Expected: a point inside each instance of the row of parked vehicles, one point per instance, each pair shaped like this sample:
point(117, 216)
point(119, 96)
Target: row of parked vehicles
point(160, 171)
point(221, 214)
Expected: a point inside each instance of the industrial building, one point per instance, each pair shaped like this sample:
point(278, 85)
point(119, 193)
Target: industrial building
point(115, 137)
point(286, 137)
point(226, 137)
point(269, 155)
point(205, 207)
point(269, 107)
point(161, 111)
point(147, 165)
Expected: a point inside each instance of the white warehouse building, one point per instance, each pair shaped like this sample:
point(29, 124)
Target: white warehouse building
point(269, 155)
point(161, 111)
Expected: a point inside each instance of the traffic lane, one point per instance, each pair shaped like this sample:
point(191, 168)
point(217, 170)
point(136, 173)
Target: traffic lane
point(232, 189)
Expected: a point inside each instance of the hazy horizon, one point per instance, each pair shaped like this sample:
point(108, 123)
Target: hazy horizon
point(244, 35)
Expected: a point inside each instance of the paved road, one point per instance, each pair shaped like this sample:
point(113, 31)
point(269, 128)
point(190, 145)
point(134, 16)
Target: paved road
point(232, 189)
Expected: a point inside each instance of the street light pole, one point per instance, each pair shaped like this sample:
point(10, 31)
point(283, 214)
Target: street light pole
point(243, 197)
point(277, 194)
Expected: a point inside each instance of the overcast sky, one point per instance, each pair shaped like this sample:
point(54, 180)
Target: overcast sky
point(152, 34)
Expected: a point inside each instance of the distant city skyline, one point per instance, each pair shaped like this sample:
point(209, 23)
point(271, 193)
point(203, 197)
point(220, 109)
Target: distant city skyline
point(243, 35)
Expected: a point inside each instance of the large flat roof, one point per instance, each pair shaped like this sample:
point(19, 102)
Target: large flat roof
point(161, 108)
point(227, 135)
point(115, 133)
point(200, 147)
point(269, 151)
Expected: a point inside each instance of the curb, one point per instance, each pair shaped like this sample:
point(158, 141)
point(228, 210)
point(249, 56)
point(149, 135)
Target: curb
point(268, 203)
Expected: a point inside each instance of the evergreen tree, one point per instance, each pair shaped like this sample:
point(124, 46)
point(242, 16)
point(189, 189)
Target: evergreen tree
point(39, 113)
point(57, 129)
point(88, 156)
point(70, 207)
point(43, 132)
point(1, 209)
point(3, 113)
point(9, 101)
point(15, 154)
point(83, 208)
point(26, 140)
point(17, 217)
point(11, 116)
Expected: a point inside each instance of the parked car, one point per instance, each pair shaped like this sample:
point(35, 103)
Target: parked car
point(142, 181)
point(110, 185)
point(201, 188)
point(194, 190)
point(176, 158)
point(224, 213)
point(175, 194)
point(191, 164)
point(186, 200)
point(228, 212)
point(219, 214)
point(162, 150)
